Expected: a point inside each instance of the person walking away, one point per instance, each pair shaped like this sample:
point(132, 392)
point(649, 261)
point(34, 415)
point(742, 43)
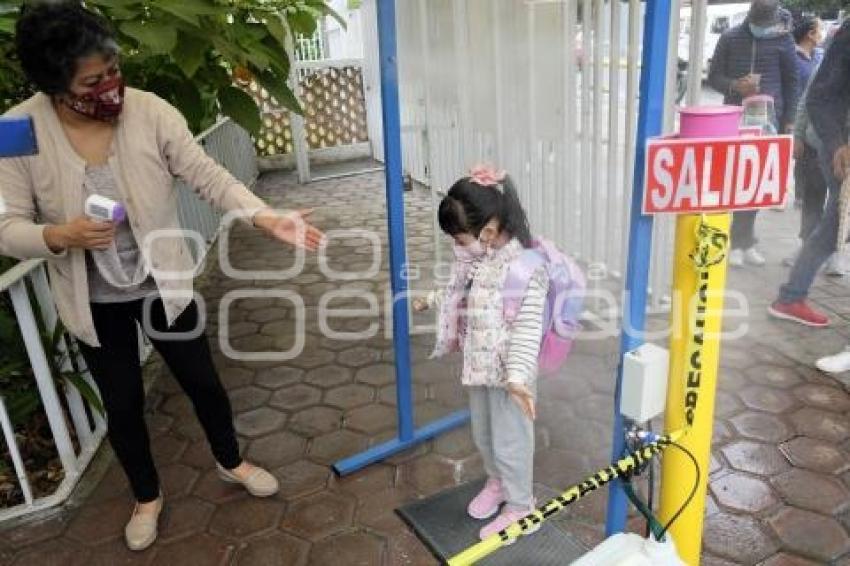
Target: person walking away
point(828, 106)
point(756, 57)
point(809, 184)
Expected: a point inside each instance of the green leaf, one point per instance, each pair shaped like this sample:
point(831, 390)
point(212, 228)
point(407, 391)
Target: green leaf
point(277, 87)
point(187, 99)
point(21, 404)
point(239, 106)
point(302, 22)
point(124, 13)
point(278, 59)
point(86, 391)
point(326, 10)
point(189, 54)
point(186, 9)
point(277, 29)
point(109, 4)
point(7, 25)
point(158, 36)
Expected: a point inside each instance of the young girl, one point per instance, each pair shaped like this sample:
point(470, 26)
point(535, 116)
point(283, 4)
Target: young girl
point(483, 215)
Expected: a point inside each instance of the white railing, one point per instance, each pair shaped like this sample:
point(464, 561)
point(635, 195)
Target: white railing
point(232, 147)
point(88, 426)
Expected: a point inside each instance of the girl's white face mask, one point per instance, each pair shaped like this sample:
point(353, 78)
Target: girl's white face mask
point(469, 252)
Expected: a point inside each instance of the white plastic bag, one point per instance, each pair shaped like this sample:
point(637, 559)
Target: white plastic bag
point(632, 550)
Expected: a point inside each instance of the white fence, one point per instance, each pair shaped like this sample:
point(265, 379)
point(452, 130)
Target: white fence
point(231, 146)
point(547, 90)
point(228, 144)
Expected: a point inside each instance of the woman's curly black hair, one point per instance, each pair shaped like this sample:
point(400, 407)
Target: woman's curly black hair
point(468, 207)
point(51, 37)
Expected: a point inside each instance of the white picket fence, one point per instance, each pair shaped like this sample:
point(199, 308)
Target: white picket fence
point(228, 144)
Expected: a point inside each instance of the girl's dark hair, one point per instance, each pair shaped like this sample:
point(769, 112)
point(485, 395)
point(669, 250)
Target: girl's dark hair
point(803, 27)
point(469, 207)
point(50, 38)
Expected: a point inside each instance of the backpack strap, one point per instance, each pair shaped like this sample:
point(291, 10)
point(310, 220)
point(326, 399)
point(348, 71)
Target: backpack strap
point(517, 279)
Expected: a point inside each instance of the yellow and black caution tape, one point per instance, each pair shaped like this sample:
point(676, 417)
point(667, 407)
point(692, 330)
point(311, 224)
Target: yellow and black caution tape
point(711, 248)
point(530, 522)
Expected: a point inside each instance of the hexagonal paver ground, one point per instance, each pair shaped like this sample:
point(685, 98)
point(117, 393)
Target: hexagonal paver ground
point(301, 478)
point(761, 426)
point(319, 515)
point(755, 458)
point(276, 449)
point(186, 516)
point(359, 549)
point(815, 455)
point(259, 422)
point(279, 549)
point(739, 538)
point(277, 377)
point(101, 522)
point(743, 493)
point(244, 517)
point(821, 424)
point(195, 549)
point(768, 399)
point(316, 421)
point(371, 419)
point(336, 445)
point(295, 397)
point(376, 374)
point(810, 534)
point(327, 377)
point(350, 396)
point(359, 357)
point(809, 490)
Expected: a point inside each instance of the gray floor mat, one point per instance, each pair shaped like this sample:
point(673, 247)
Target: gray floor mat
point(442, 524)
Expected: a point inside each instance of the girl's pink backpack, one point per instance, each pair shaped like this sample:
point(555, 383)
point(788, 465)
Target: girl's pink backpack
point(563, 301)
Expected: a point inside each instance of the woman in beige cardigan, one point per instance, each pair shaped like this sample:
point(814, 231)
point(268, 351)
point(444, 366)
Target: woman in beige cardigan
point(97, 137)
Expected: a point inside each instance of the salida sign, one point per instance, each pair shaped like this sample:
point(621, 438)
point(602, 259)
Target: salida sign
point(686, 175)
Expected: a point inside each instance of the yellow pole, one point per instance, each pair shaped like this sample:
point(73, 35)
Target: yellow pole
point(696, 319)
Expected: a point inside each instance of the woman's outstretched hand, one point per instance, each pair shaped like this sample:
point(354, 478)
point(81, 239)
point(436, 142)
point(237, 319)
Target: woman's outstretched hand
point(291, 227)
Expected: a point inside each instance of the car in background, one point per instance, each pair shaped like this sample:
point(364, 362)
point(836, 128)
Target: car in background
point(720, 17)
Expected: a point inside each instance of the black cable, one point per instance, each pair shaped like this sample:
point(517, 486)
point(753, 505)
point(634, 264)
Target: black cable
point(651, 494)
point(693, 491)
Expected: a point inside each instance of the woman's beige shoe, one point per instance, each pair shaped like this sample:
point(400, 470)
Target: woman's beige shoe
point(141, 531)
point(259, 482)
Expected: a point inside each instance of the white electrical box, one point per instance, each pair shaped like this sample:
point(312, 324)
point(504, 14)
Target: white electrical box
point(644, 392)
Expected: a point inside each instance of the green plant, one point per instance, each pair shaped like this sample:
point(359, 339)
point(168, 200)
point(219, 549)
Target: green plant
point(17, 383)
point(190, 51)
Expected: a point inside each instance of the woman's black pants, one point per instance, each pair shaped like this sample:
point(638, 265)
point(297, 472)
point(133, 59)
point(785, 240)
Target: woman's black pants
point(116, 369)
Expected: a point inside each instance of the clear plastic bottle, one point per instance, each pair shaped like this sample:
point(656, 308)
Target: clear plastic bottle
point(759, 111)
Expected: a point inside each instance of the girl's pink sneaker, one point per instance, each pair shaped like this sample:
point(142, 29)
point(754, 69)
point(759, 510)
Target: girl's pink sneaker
point(486, 503)
point(505, 519)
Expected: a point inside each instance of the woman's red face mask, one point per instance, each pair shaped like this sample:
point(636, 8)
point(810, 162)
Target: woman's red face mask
point(103, 100)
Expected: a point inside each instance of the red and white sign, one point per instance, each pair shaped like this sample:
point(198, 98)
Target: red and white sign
point(686, 175)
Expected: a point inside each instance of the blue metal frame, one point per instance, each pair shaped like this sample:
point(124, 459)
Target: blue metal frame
point(408, 436)
point(650, 121)
point(17, 137)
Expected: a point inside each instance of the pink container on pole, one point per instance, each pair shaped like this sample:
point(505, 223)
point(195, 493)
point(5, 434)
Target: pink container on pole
point(709, 121)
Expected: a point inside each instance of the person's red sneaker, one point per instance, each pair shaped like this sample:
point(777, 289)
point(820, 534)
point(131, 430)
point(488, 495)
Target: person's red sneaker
point(799, 312)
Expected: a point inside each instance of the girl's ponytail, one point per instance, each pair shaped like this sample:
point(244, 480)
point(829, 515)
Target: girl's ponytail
point(513, 218)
